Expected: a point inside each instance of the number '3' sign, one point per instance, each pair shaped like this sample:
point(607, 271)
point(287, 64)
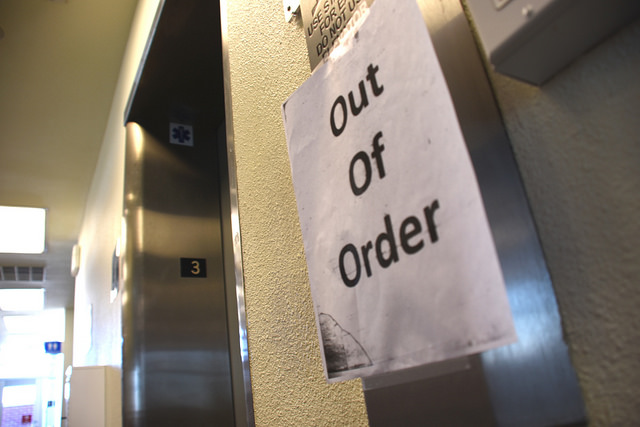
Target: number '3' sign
point(193, 267)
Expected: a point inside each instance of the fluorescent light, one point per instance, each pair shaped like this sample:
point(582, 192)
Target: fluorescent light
point(22, 230)
point(21, 299)
point(22, 324)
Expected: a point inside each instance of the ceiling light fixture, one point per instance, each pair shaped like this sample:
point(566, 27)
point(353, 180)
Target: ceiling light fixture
point(21, 299)
point(22, 230)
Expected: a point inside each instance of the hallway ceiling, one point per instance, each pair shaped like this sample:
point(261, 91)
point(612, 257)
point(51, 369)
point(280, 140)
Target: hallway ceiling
point(59, 63)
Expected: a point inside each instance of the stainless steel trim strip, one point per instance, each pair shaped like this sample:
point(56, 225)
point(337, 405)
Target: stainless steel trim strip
point(235, 222)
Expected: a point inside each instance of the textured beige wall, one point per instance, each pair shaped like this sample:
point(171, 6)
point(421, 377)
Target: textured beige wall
point(577, 141)
point(268, 61)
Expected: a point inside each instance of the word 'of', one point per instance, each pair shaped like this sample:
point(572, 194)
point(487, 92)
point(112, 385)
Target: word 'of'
point(361, 156)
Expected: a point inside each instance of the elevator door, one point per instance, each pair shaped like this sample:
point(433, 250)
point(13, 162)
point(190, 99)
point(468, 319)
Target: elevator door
point(184, 333)
point(176, 360)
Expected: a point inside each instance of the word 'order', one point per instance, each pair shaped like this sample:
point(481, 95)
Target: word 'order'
point(386, 249)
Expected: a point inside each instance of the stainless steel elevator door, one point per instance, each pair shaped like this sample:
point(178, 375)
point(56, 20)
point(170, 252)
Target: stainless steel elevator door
point(176, 359)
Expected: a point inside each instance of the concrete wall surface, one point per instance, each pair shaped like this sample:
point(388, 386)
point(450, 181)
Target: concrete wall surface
point(577, 143)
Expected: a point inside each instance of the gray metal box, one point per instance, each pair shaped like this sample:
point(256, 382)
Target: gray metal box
point(532, 40)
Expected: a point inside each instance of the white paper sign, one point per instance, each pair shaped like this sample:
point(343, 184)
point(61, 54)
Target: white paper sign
point(402, 265)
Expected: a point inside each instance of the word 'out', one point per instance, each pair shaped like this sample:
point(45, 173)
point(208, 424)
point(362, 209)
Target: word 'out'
point(339, 107)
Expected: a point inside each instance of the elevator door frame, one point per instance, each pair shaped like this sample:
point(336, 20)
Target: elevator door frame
point(155, 94)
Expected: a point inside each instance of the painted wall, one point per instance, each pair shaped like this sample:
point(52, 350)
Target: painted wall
point(97, 329)
point(268, 61)
point(577, 142)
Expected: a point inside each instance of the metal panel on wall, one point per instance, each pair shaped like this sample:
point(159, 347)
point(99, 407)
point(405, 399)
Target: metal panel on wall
point(529, 383)
point(176, 362)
